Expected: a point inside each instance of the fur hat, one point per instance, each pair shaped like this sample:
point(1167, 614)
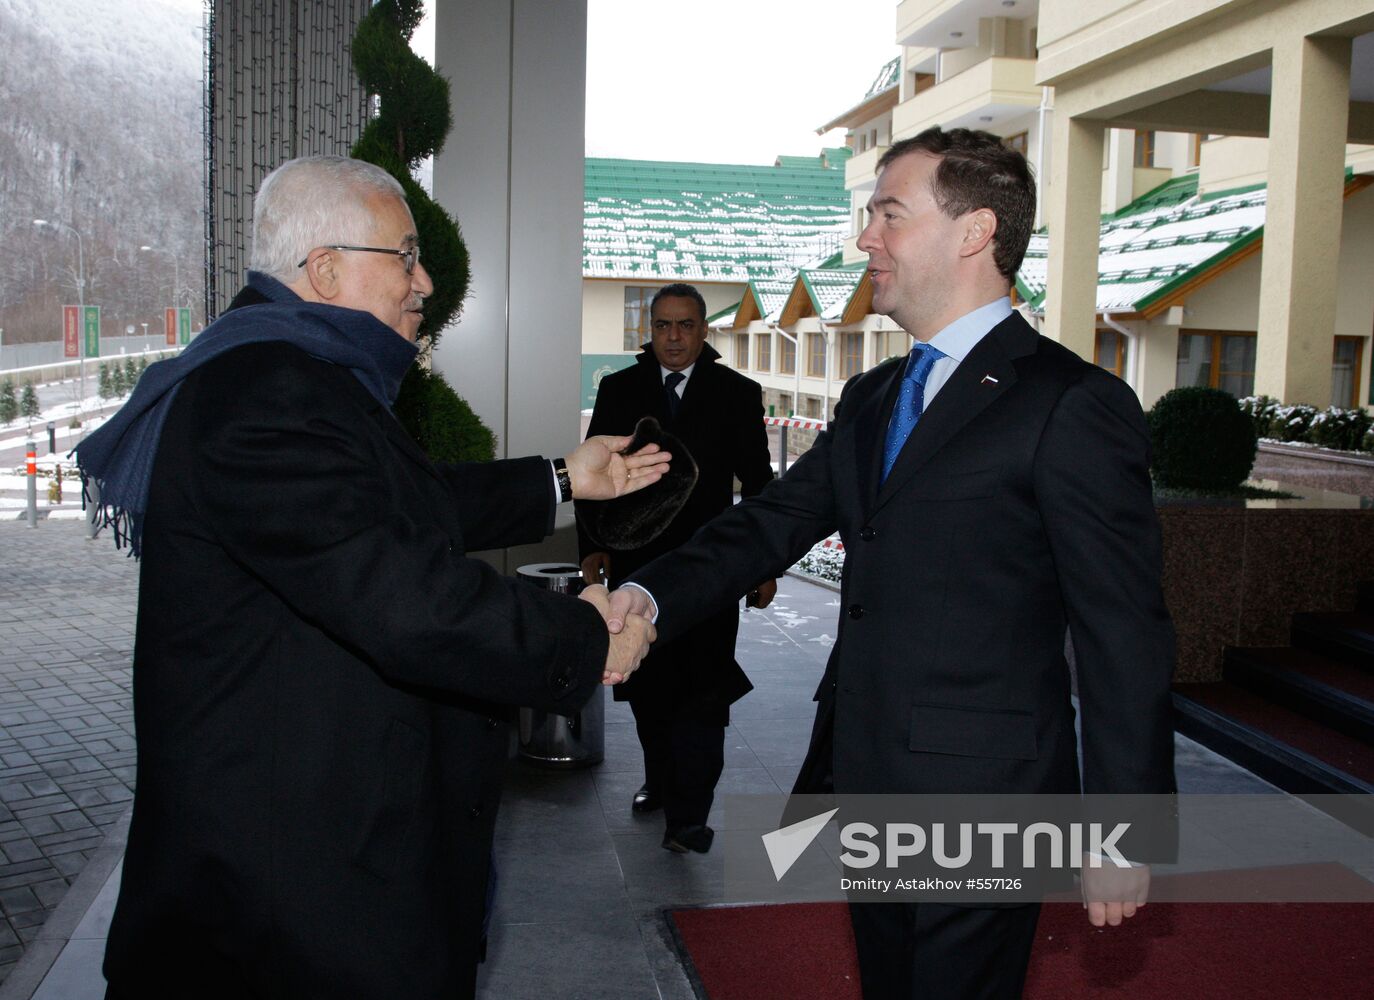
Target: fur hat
point(636, 519)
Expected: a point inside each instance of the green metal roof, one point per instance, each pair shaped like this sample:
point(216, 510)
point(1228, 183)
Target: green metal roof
point(886, 79)
point(831, 289)
point(656, 220)
point(1157, 243)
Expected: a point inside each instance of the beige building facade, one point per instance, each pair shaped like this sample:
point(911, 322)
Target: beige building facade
point(1204, 173)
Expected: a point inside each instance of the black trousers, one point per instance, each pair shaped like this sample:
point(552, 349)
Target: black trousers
point(684, 753)
point(930, 951)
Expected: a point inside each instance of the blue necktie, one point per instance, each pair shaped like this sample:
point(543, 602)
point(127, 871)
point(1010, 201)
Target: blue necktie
point(910, 402)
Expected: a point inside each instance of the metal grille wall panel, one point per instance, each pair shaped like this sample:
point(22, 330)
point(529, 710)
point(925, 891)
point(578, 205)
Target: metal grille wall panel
point(279, 83)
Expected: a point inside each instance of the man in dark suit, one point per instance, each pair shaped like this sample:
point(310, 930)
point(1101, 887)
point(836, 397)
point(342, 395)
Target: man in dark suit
point(990, 493)
point(682, 694)
point(322, 679)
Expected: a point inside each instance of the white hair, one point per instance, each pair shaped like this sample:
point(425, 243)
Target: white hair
point(311, 202)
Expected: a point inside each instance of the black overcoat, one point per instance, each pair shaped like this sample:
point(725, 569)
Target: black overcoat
point(720, 420)
point(1020, 505)
point(322, 689)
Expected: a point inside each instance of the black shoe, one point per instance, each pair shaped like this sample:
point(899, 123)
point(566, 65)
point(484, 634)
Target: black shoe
point(645, 801)
point(689, 838)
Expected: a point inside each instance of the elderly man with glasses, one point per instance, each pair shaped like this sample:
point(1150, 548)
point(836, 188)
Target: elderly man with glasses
point(322, 679)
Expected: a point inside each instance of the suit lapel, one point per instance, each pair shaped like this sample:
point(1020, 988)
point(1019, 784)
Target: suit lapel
point(980, 379)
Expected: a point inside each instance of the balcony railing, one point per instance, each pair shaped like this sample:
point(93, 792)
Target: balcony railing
point(957, 101)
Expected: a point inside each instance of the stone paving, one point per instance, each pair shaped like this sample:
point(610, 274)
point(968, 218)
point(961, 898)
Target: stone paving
point(67, 607)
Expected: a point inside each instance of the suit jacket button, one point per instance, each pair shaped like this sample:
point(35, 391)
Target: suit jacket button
point(493, 723)
point(867, 533)
point(475, 811)
point(856, 611)
point(560, 683)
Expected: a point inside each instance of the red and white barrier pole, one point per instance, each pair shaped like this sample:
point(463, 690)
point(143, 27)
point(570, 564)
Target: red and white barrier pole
point(31, 472)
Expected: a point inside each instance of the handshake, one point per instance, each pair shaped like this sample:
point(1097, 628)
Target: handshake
point(627, 612)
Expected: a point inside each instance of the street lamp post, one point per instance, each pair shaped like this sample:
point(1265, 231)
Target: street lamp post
point(80, 296)
point(176, 272)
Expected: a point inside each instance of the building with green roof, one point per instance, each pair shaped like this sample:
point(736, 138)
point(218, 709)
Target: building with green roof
point(717, 226)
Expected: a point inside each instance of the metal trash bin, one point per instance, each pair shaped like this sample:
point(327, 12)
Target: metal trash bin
point(561, 741)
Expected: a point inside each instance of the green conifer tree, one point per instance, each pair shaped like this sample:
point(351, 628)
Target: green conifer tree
point(117, 383)
point(104, 387)
point(9, 406)
point(130, 374)
point(28, 402)
point(413, 119)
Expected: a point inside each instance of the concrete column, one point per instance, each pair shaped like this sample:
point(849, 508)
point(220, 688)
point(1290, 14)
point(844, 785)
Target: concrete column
point(511, 173)
point(1073, 219)
point(1119, 173)
point(1308, 111)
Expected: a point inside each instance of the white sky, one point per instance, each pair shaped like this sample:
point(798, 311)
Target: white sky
point(723, 81)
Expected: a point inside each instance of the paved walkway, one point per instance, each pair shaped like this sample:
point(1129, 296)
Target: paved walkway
point(583, 881)
point(66, 721)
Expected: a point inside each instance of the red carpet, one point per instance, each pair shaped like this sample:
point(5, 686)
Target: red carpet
point(1178, 951)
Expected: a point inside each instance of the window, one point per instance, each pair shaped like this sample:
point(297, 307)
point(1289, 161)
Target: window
point(1220, 360)
point(1195, 150)
point(1017, 142)
point(1346, 362)
point(815, 355)
point(763, 355)
point(1110, 352)
point(851, 354)
point(788, 351)
point(1144, 149)
point(637, 316)
point(811, 407)
point(784, 404)
point(741, 350)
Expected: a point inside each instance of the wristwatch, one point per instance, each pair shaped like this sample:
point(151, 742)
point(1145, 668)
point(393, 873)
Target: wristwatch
point(560, 471)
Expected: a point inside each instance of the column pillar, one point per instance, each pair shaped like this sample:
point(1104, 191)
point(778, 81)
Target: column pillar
point(511, 173)
point(1073, 220)
point(1308, 111)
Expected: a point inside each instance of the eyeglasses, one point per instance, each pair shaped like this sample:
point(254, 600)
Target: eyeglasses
point(410, 256)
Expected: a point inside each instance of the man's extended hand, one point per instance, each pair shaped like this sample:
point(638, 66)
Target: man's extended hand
point(599, 471)
point(618, 605)
point(762, 595)
point(1111, 893)
point(596, 568)
point(628, 647)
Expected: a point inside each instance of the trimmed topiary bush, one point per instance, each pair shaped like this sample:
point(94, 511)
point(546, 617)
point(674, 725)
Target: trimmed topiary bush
point(412, 120)
point(441, 420)
point(1201, 439)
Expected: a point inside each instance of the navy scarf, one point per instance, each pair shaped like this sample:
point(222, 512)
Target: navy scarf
point(118, 457)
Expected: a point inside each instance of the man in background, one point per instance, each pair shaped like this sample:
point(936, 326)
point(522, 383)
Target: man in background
point(682, 694)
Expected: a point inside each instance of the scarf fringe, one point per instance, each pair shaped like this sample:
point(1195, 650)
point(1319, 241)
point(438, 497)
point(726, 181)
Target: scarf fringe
point(120, 520)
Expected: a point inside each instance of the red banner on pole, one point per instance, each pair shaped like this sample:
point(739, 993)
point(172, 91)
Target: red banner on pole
point(71, 331)
point(170, 319)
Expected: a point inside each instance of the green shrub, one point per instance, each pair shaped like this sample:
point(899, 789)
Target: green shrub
point(1202, 440)
point(1341, 429)
point(1292, 423)
point(441, 421)
point(1261, 411)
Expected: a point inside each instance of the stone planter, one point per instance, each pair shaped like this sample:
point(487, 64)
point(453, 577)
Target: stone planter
point(1234, 574)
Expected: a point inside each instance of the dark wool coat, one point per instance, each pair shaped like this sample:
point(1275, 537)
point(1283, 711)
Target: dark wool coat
point(322, 689)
